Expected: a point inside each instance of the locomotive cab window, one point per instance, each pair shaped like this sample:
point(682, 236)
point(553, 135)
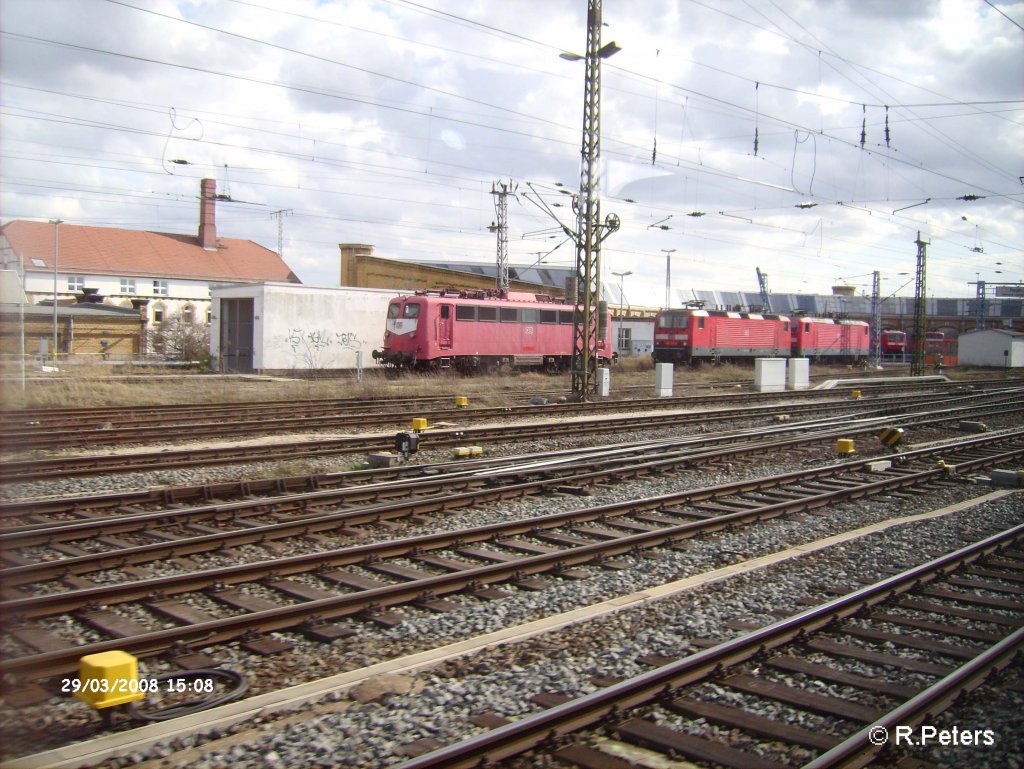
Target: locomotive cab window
point(807, 328)
point(393, 311)
point(508, 314)
point(489, 314)
point(446, 311)
point(411, 311)
point(465, 312)
point(700, 322)
point(673, 321)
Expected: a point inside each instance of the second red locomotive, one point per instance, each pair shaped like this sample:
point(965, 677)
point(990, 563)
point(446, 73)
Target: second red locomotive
point(692, 336)
point(473, 330)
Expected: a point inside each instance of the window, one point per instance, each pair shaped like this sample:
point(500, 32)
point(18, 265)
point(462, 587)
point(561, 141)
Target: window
point(549, 316)
point(625, 338)
point(807, 328)
point(411, 311)
point(700, 323)
point(393, 310)
point(38, 262)
point(465, 312)
point(158, 313)
point(489, 314)
point(188, 314)
point(127, 285)
point(530, 316)
point(160, 287)
point(508, 314)
point(565, 317)
point(673, 320)
point(76, 282)
point(785, 325)
point(446, 311)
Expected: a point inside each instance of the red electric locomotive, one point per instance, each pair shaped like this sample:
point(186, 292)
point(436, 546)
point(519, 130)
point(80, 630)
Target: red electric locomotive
point(692, 336)
point(893, 342)
point(843, 341)
point(472, 330)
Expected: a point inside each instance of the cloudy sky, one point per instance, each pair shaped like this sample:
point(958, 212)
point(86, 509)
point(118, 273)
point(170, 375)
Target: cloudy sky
point(811, 138)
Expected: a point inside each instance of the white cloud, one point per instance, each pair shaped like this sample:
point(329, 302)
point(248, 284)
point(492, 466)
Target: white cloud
point(386, 123)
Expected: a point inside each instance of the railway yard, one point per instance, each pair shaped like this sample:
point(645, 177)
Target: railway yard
point(721, 578)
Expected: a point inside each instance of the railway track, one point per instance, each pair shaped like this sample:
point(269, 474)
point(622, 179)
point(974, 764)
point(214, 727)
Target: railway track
point(44, 550)
point(321, 592)
point(934, 608)
point(35, 429)
point(959, 406)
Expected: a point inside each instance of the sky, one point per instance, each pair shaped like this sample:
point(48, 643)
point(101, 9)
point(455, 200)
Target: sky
point(812, 139)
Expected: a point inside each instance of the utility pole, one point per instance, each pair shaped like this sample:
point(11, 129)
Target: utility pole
point(588, 217)
point(56, 260)
point(920, 310)
point(876, 318)
point(281, 214)
point(501, 191)
point(762, 282)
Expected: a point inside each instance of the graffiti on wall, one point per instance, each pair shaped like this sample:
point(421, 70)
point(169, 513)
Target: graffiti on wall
point(310, 346)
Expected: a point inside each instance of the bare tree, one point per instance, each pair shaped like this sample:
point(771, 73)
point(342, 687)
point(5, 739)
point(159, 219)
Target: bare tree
point(178, 338)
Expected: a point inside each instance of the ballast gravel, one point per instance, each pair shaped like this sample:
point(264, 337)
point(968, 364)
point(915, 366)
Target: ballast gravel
point(503, 680)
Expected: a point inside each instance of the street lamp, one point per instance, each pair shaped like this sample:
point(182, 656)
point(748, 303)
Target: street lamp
point(622, 292)
point(56, 223)
point(668, 275)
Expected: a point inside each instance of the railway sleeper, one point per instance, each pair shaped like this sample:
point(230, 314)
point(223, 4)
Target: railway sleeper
point(981, 584)
point(645, 733)
point(750, 723)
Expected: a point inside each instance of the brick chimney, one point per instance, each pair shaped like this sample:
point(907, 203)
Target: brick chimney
point(207, 210)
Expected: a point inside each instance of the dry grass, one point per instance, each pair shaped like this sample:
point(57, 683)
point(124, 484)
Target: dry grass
point(92, 386)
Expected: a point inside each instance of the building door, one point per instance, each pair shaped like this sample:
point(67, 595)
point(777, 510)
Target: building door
point(236, 324)
point(444, 327)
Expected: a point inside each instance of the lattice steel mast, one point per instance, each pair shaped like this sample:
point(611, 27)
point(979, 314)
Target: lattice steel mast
point(501, 191)
point(920, 310)
point(587, 207)
point(876, 318)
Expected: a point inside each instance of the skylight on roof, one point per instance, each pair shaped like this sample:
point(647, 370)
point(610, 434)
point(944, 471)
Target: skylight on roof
point(38, 263)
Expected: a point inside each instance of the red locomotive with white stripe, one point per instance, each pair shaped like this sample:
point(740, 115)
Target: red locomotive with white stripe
point(893, 342)
point(473, 330)
point(692, 336)
point(828, 339)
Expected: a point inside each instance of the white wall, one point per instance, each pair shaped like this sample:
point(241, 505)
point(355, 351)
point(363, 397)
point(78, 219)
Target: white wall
point(985, 348)
point(307, 327)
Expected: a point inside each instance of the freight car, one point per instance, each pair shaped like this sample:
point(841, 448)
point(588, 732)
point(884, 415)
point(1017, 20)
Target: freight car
point(828, 339)
point(474, 330)
point(693, 336)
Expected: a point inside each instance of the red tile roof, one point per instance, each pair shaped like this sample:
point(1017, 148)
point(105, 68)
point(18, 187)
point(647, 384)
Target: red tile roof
point(112, 251)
